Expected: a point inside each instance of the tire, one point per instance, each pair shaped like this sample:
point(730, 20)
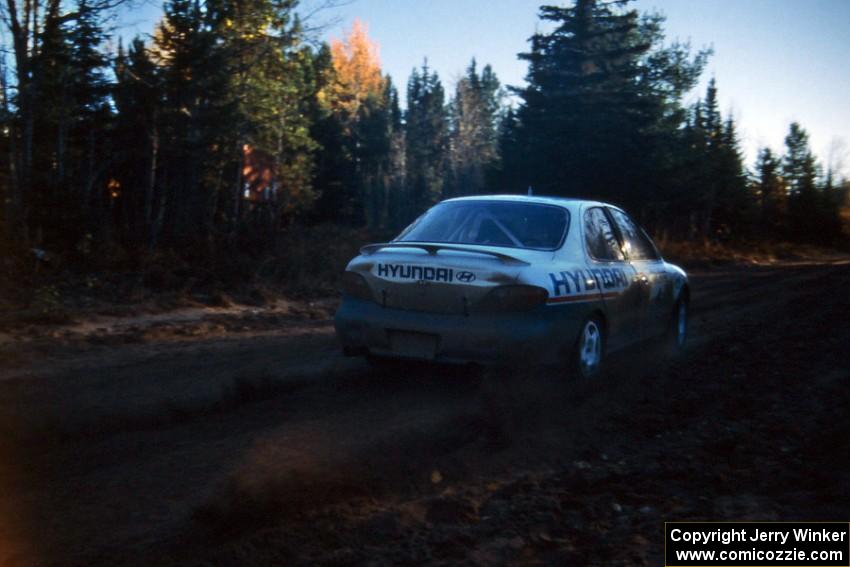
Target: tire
point(589, 352)
point(677, 331)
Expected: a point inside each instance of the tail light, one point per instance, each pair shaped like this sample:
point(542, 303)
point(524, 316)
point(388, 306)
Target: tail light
point(354, 285)
point(513, 298)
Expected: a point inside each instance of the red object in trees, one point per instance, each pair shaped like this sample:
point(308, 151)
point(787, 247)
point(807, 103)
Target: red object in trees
point(258, 175)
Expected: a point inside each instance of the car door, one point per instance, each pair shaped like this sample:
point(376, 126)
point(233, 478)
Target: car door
point(614, 277)
point(650, 274)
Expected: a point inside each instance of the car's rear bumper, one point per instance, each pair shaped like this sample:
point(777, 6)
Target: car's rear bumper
point(542, 336)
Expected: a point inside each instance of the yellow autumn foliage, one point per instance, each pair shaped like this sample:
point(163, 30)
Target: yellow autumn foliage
point(357, 70)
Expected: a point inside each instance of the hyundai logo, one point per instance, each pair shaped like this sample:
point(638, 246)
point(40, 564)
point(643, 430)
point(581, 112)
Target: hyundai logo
point(465, 277)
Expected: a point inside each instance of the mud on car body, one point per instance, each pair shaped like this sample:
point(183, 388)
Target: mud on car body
point(494, 278)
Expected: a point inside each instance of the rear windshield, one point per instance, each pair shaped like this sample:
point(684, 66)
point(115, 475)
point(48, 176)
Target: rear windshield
point(491, 223)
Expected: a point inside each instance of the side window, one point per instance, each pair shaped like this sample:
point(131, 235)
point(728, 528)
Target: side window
point(637, 244)
point(600, 238)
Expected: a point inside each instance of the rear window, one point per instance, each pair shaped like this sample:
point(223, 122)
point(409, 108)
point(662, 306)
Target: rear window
point(491, 223)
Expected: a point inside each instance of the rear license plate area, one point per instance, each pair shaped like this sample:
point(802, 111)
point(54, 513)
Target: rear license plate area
point(414, 345)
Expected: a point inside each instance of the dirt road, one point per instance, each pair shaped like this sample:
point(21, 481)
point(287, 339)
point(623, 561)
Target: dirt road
point(241, 435)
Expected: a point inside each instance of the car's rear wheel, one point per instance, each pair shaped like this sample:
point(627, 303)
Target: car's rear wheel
point(589, 351)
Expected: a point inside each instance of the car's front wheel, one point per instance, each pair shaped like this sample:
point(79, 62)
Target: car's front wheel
point(589, 350)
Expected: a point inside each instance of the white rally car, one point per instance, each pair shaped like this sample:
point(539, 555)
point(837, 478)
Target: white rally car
point(496, 278)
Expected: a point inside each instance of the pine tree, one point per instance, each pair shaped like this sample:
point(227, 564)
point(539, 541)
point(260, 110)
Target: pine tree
point(709, 161)
point(71, 131)
point(736, 211)
point(89, 92)
point(690, 177)
point(602, 102)
point(507, 175)
point(396, 164)
point(712, 193)
point(358, 99)
point(799, 170)
point(770, 192)
point(49, 195)
point(835, 189)
point(198, 122)
point(334, 174)
point(57, 84)
point(474, 140)
point(271, 84)
point(137, 131)
point(712, 124)
point(426, 134)
point(381, 163)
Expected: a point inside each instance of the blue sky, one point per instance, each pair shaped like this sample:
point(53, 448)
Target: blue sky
point(775, 60)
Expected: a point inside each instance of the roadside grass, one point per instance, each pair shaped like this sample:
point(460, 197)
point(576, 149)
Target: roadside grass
point(302, 263)
point(697, 254)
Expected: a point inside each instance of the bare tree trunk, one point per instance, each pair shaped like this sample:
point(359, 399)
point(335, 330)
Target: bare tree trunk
point(88, 183)
point(61, 142)
point(709, 213)
point(23, 26)
point(13, 208)
point(150, 183)
point(237, 184)
point(159, 216)
point(189, 201)
point(213, 204)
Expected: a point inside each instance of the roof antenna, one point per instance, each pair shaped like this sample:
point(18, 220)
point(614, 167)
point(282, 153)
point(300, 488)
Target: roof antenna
point(530, 191)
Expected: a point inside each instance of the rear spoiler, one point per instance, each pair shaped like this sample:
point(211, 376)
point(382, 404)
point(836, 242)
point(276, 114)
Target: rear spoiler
point(433, 248)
